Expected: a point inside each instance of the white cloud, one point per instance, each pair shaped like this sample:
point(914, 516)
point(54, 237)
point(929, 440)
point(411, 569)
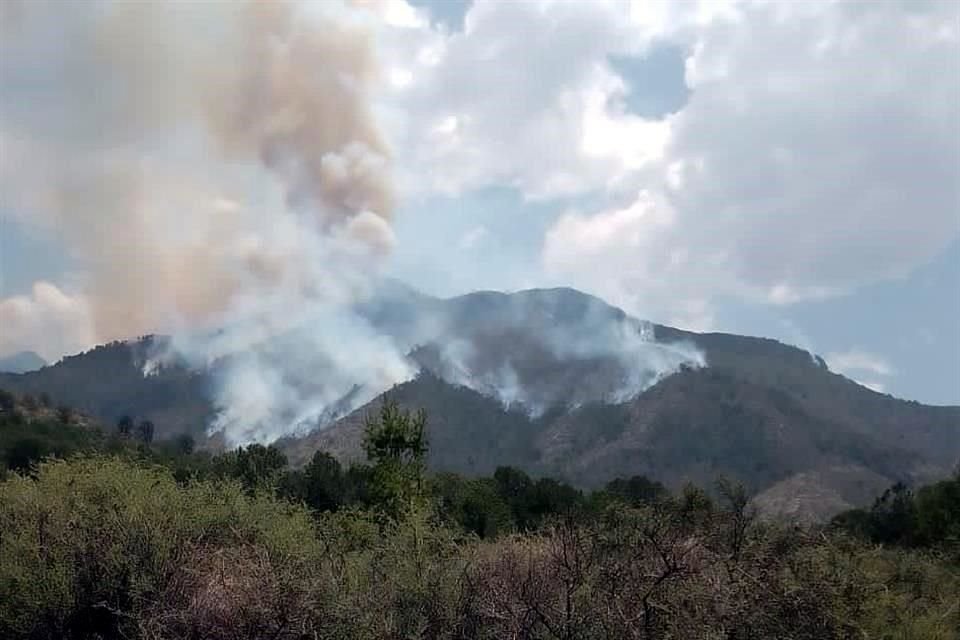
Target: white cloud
point(473, 238)
point(858, 361)
point(879, 387)
point(523, 97)
point(620, 254)
point(819, 151)
point(49, 321)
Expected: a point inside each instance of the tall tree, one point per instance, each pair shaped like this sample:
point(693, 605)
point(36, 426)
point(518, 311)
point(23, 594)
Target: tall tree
point(256, 466)
point(125, 426)
point(145, 431)
point(396, 444)
point(323, 482)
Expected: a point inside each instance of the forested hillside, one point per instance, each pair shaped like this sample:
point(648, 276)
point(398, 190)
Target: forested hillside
point(534, 379)
point(108, 382)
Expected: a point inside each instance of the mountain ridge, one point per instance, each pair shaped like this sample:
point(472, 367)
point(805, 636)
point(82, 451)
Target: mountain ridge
point(767, 413)
point(21, 362)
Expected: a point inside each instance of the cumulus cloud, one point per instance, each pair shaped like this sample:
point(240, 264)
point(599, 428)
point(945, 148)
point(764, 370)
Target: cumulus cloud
point(48, 321)
point(858, 361)
point(473, 238)
point(879, 387)
point(864, 368)
point(817, 150)
point(523, 96)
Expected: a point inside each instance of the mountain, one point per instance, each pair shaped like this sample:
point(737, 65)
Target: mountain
point(558, 382)
point(536, 379)
point(690, 427)
point(21, 362)
point(108, 382)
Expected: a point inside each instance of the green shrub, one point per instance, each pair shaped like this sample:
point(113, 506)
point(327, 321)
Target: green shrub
point(93, 545)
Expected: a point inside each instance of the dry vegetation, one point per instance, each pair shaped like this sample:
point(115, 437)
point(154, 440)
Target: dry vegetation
point(97, 547)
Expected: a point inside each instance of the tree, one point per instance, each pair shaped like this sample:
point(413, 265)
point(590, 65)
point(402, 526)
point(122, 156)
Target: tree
point(893, 516)
point(145, 431)
point(255, 466)
point(515, 488)
point(512, 484)
point(125, 426)
point(185, 444)
point(637, 490)
point(739, 514)
point(395, 442)
point(25, 453)
point(323, 482)
point(693, 505)
point(64, 414)
point(30, 402)
point(7, 401)
point(474, 504)
point(938, 514)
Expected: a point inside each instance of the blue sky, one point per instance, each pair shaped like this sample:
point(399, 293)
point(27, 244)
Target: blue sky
point(787, 170)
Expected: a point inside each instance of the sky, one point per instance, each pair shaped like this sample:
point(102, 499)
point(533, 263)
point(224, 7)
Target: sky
point(781, 169)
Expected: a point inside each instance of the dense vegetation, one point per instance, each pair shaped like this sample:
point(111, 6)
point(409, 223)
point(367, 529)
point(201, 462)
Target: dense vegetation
point(122, 537)
point(929, 517)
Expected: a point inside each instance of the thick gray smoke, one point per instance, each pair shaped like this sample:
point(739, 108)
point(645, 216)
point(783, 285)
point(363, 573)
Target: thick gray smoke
point(216, 172)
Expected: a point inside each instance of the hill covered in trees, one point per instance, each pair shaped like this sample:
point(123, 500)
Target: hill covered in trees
point(812, 442)
point(108, 382)
point(537, 380)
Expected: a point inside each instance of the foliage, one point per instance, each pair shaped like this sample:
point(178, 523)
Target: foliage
point(256, 467)
point(145, 431)
point(23, 443)
point(7, 401)
point(321, 485)
point(635, 491)
point(472, 503)
point(125, 426)
point(97, 547)
point(395, 442)
point(106, 547)
point(928, 517)
point(155, 541)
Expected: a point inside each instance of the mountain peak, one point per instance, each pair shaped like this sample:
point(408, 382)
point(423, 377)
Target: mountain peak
point(21, 362)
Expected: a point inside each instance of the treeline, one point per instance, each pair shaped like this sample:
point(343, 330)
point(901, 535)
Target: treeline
point(508, 501)
point(129, 539)
point(928, 517)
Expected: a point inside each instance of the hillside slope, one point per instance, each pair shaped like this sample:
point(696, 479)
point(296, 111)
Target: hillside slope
point(561, 383)
point(108, 382)
point(810, 441)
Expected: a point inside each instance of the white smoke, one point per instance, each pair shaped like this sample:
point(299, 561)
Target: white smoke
point(544, 349)
point(216, 172)
point(580, 366)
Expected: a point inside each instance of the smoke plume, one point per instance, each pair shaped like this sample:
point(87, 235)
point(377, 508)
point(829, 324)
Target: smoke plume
point(217, 173)
point(534, 350)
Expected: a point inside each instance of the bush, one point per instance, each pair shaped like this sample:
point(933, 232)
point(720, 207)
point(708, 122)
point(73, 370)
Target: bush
point(101, 546)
